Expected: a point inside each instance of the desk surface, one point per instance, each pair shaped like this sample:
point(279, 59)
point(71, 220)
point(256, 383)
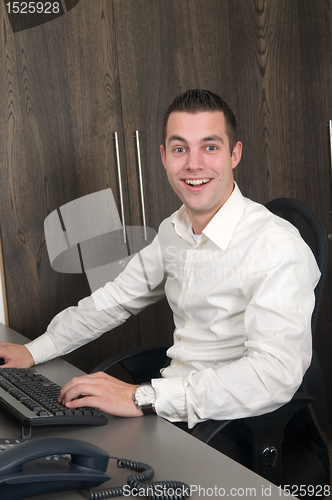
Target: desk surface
point(172, 453)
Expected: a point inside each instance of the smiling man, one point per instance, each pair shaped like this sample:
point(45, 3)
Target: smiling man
point(239, 280)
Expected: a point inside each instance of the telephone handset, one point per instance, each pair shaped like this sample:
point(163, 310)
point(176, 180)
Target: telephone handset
point(50, 464)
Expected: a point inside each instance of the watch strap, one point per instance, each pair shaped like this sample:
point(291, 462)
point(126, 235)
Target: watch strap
point(148, 409)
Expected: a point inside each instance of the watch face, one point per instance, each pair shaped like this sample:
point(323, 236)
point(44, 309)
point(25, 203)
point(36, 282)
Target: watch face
point(145, 395)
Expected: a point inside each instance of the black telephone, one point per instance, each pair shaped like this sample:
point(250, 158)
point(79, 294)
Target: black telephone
point(54, 464)
point(50, 464)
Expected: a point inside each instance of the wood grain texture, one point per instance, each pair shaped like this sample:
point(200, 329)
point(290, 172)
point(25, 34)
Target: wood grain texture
point(265, 58)
point(70, 4)
point(281, 59)
point(174, 46)
point(316, 77)
point(62, 107)
point(168, 42)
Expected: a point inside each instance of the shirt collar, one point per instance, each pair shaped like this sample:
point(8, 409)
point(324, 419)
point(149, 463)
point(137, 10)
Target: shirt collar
point(182, 224)
point(221, 228)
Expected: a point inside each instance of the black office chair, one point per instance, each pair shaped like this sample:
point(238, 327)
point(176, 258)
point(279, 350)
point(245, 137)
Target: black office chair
point(288, 446)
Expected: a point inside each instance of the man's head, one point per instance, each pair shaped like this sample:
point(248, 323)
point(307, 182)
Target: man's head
point(199, 153)
point(195, 101)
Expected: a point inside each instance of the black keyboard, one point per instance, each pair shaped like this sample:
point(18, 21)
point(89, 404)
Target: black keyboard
point(33, 399)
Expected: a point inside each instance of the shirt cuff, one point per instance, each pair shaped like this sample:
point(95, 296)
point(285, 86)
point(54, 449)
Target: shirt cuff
point(42, 349)
point(170, 400)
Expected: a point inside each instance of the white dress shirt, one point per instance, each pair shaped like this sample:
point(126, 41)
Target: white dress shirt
point(242, 296)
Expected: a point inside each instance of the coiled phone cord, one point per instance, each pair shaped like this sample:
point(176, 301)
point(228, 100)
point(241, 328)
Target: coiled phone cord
point(161, 490)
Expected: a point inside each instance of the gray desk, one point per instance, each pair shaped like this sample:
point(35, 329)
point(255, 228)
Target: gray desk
point(171, 452)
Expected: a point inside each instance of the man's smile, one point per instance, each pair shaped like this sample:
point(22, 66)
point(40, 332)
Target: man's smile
point(196, 182)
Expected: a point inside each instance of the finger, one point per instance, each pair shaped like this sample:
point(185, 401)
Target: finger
point(67, 387)
point(81, 390)
point(83, 401)
point(99, 377)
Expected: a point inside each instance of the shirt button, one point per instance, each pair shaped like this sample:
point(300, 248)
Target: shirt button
point(175, 415)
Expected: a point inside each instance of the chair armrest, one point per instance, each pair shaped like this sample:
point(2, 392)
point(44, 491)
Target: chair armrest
point(142, 363)
point(205, 431)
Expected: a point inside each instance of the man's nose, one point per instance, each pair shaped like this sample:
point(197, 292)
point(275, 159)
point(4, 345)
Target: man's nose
point(195, 161)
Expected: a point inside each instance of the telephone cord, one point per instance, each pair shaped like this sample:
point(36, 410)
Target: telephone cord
point(156, 490)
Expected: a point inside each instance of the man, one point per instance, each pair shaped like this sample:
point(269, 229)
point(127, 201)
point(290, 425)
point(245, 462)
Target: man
point(240, 282)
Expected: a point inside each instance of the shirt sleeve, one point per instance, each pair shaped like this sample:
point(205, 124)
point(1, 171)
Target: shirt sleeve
point(279, 287)
point(140, 284)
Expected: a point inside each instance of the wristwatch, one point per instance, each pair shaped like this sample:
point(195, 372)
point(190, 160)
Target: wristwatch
point(144, 397)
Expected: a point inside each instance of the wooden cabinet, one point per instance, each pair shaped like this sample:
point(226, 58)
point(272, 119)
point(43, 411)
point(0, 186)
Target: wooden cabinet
point(281, 60)
point(163, 48)
point(114, 66)
point(62, 105)
point(70, 84)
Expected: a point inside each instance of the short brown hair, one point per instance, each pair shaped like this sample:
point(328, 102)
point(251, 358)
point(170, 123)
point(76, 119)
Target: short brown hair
point(197, 100)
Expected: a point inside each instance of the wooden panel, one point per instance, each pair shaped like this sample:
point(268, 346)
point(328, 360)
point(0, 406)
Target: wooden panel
point(281, 52)
point(316, 94)
point(61, 108)
point(174, 46)
point(265, 56)
point(250, 100)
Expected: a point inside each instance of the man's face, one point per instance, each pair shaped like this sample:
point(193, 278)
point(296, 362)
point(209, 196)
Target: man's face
point(199, 163)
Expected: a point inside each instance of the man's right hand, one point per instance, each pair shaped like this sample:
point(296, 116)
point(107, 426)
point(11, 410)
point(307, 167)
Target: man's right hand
point(15, 356)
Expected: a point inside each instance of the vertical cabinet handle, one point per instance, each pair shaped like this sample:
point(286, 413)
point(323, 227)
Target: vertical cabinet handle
point(120, 186)
point(141, 182)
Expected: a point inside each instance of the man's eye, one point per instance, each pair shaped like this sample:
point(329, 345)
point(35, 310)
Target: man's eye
point(211, 148)
point(179, 149)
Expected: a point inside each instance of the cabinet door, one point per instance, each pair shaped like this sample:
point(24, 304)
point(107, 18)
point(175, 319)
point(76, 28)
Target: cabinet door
point(282, 53)
point(60, 107)
point(164, 47)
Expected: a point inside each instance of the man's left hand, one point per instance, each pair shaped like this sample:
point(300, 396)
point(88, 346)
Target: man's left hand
point(102, 391)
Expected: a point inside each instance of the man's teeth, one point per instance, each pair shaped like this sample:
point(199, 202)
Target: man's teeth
point(196, 182)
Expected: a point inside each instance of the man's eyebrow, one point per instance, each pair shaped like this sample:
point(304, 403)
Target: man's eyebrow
point(176, 138)
point(213, 138)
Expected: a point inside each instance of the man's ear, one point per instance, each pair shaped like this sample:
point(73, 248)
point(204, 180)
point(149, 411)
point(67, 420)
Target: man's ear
point(163, 155)
point(236, 154)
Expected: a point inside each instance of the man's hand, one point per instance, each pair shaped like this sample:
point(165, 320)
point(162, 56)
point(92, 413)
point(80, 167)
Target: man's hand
point(102, 391)
point(15, 356)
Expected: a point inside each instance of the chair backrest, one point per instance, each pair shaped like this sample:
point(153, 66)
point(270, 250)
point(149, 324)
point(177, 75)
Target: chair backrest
point(312, 231)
